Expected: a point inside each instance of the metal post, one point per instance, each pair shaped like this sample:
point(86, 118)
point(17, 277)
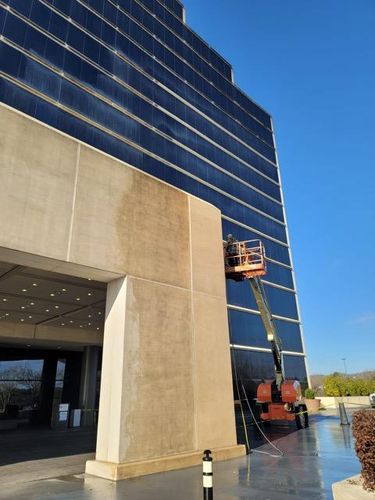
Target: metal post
point(344, 361)
point(343, 416)
point(207, 476)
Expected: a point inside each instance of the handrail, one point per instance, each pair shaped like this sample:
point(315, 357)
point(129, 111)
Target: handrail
point(240, 253)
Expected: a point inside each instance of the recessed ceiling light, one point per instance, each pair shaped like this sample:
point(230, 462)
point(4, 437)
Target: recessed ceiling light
point(24, 289)
point(52, 294)
point(71, 321)
point(89, 294)
point(57, 307)
point(80, 326)
point(99, 313)
point(35, 284)
point(5, 300)
point(28, 345)
point(22, 307)
point(6, 314)
point(98, 328)
point(22, 319)
point(47, 310)
point(62, 324)
point(89, 315)
point(32, 303)
point(63, 289)
point(77, 298)
point(89, 324)
point(30, 317)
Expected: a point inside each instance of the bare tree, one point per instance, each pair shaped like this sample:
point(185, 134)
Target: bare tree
point(8, 389)
point(15, 378)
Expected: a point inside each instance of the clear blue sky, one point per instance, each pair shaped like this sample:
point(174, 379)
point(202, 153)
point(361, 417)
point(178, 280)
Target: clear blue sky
point(311, 64)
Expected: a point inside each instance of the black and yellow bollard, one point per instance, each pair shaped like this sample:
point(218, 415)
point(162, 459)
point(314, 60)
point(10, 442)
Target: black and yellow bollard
point(207, 476)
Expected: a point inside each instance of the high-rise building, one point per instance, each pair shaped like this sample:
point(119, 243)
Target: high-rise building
point(131, 78)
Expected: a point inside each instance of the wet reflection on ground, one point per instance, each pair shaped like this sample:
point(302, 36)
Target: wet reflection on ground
point(312, 460)
point(42, 443)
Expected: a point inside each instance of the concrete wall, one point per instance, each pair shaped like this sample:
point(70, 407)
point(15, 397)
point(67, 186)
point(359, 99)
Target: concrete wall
point(350, 401)
point(166, 378)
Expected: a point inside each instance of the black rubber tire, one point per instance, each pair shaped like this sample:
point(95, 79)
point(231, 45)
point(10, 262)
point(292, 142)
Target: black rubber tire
point(305, 416)
point(302, 417)
point(297, 417)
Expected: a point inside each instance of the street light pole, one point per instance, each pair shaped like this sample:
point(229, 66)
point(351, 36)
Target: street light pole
point(344, 361)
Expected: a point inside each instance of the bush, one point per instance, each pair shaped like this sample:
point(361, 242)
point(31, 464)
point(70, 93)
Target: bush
point(364, 434)
point(309, 394)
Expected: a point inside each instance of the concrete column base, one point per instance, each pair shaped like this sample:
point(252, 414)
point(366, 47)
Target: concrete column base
point(116, 472)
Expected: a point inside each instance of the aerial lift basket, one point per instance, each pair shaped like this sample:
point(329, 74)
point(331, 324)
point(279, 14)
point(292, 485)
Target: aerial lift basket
point(244, 259)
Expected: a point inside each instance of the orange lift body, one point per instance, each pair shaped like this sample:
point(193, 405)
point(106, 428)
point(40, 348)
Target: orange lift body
point(283, 410)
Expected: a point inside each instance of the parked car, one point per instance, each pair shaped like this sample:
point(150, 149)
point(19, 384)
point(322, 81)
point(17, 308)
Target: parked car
point(372, 400)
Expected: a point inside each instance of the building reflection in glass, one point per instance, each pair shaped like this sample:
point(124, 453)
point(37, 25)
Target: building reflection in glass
point(20, 384)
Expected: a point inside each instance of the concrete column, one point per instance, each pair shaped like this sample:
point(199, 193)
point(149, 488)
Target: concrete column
point(89, 372)
point(47, 390)
point(151, 404)
point(111, 406)
point(109, 438)
point(72, 377)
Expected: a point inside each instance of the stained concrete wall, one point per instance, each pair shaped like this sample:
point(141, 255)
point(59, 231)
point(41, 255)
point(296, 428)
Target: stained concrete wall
point(67, 207)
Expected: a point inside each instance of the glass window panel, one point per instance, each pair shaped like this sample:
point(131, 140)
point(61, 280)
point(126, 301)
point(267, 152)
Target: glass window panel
point(58, 26)
point(40, 14)
point(3, 15)
point(281, 302)
point(252, 368)
point(14, 29)
point(290, 335)
point(295, 368)
point(9, 60)
point(40, 78)
point(20, 6)
point(279, 275)
point(20, 382)
point(54, 53)
point(21, 369)
point(247, 329)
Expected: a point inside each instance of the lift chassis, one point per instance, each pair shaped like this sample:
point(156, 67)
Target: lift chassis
point(279, 399)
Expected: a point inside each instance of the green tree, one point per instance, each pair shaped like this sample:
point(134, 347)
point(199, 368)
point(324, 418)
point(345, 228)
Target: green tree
point(334, 385)
point(338, 385)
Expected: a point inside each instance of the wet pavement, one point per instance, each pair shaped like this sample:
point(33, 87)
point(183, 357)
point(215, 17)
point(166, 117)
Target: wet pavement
point(312, 460)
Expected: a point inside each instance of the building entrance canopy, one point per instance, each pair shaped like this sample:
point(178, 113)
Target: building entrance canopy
point(35, 297)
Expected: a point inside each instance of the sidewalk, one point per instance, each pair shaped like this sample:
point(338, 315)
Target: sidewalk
point(313, 459)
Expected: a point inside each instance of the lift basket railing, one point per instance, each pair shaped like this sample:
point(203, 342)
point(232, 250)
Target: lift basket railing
point(242, 256)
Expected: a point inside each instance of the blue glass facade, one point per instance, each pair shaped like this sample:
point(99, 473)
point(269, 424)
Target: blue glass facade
point(130, 77)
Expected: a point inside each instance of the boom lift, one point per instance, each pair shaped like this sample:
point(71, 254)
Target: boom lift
point(279, 399)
